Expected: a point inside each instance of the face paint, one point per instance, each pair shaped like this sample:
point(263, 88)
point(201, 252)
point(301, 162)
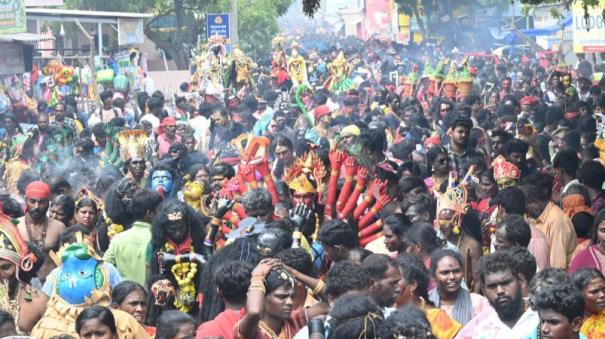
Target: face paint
point(162, 179)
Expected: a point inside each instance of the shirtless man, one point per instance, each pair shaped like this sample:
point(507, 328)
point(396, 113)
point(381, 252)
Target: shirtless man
point(36, 227)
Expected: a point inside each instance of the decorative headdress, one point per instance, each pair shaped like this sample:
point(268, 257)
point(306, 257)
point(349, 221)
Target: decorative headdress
point(12, 246)
point(132, 144)
point(306, 171)
point(455, 199)
point(278, 42)
point(216, 40)
point(505, 170)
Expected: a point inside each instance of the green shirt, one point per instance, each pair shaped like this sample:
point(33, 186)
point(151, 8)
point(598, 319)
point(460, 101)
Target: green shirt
point(127, 251)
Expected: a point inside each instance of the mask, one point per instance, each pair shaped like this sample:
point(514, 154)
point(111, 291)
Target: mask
point(80, 275)
point(162, 291)
point(162, 179)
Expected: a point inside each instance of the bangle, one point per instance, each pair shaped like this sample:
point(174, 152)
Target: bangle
point(215, 221)
point(335, 173)
point(367, 198)
point(259, 279)
point(320, 285)
point(259, 288)
point(348, 178)
point(208, 242)
point(316, 325)
point(373, 210)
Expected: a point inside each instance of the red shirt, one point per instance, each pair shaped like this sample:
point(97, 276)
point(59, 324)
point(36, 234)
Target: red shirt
point(222, 325)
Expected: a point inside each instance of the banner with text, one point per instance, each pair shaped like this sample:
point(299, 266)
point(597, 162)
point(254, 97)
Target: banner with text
point(588, 32)
point(12, 16)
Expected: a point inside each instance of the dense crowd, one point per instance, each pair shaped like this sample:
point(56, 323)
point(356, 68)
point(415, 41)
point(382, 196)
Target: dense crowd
point(361, 190)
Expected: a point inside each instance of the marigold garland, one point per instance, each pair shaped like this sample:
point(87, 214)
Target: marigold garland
point(184, 274)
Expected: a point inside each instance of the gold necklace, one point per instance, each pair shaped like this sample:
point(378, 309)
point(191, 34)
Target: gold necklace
point(269, 331)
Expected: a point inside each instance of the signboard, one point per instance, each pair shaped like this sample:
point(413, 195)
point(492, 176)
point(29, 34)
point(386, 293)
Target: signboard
point(13, 59)
point(588, 34)
point(12, 16)
point(218, 24)
point(130, 32)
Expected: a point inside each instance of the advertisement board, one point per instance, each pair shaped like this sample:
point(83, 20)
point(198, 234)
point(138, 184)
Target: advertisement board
point(218, 24)
point(12, 16)
point(588, 33)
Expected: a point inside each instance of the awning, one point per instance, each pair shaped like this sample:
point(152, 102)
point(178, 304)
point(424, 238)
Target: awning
point(28, 38)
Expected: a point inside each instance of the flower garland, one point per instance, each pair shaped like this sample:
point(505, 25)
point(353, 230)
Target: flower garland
point(114, 229)
point(184, 274)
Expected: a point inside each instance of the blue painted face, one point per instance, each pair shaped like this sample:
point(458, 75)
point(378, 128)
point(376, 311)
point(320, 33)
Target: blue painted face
point(162, 179)
point(80, 276)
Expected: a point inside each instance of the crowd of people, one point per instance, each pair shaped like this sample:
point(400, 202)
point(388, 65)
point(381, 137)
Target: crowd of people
point(350, 192)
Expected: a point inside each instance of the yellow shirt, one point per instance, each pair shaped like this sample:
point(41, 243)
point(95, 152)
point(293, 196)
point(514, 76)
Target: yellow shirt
point(561, 235)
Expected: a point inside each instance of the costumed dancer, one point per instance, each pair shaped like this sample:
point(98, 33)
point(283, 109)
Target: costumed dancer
point(17, 297)
point(305, 179)
point(453, 211)
point(279, 65)
point(117, 200)
point(297, 67)
point(506, 173)
point(83, 282)
point(164, 180)
point(211, 73)
point(339, 81)
point(240, 78)
point(176, 244)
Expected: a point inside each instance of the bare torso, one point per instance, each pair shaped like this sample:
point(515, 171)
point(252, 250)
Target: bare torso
point(47, 232)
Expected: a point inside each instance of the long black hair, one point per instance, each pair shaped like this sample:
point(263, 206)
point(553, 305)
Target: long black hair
point(194, 220)
point(242, 249)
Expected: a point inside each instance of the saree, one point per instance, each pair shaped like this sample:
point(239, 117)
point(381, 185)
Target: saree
point(297, 320)
point(594, 326)
point(591, 257)
point(442, 325)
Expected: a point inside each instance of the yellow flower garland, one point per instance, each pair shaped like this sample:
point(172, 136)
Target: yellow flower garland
point(114, 229)
point(184, 274)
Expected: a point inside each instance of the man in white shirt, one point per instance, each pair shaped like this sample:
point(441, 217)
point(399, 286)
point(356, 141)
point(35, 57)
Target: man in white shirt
point(154, 110)
point(499, 275)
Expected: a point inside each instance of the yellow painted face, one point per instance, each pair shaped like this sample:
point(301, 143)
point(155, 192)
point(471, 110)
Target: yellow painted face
point(566, 80)
point(506, 182)
point(193, 190)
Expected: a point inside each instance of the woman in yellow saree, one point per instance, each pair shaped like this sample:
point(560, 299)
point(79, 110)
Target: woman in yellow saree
point(592, 284)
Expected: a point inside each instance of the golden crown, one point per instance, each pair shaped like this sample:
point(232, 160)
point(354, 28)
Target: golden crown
point(306, 169)
point(455, 199)
point(132, 144)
